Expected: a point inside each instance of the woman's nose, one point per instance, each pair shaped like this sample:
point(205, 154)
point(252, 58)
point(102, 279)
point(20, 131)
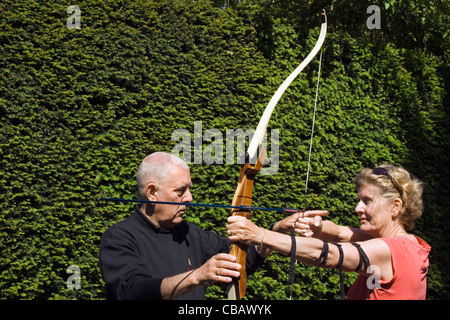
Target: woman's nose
point(359, 208)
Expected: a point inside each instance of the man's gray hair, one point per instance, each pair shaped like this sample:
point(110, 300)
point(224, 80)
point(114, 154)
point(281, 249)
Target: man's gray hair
point(154, 168)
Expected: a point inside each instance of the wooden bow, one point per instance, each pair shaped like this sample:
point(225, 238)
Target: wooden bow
point(243, 194)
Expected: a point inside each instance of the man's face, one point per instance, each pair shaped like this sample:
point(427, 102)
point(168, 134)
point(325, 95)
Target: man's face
point(174, 189)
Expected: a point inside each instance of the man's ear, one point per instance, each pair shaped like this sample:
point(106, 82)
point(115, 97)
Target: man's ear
point(151, 190)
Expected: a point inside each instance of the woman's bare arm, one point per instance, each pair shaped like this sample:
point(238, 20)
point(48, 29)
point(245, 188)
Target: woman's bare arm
point(311, 224)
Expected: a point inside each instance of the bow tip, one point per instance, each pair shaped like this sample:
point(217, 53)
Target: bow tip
point(324, 16)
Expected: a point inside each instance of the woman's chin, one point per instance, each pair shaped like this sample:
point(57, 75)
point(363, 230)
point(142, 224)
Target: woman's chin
point(365, 227)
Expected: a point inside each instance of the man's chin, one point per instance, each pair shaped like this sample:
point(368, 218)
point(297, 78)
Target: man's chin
point(176, 221)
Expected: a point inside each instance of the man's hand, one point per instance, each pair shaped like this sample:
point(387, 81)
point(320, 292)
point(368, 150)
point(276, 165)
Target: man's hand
point(220, 268)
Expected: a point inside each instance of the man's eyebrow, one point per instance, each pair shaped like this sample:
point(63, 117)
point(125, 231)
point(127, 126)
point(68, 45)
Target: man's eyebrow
point(184, 186)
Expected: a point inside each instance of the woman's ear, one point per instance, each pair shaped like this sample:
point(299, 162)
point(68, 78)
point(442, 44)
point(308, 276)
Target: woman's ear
point(397, 205)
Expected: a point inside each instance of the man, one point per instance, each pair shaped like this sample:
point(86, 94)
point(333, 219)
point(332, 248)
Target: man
point(154, 253)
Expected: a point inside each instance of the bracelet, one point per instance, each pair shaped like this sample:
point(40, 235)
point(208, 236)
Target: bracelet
point(259, 247)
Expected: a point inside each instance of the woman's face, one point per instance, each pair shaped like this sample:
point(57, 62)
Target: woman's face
point(374, 211)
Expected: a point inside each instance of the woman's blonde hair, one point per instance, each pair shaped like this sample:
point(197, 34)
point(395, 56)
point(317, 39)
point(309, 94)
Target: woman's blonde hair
point(395, 182)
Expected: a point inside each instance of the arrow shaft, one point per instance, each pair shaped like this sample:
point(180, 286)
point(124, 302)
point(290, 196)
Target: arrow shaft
point(243, 208)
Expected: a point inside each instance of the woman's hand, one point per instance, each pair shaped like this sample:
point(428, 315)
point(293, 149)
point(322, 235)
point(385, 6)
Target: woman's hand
point(310, 223)
point(305, 223)
point(240, 229)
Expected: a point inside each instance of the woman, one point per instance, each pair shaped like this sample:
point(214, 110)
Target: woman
point(392, 263)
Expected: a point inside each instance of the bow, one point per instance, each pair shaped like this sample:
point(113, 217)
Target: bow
point(243, 194)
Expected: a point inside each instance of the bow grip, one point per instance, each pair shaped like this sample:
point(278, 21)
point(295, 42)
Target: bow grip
point(243, 197)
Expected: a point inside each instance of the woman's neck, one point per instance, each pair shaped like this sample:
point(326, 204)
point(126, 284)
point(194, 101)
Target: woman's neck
point(393, 231)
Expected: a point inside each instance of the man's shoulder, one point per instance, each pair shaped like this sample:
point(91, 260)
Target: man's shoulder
point(126, 225)
point(200, 233)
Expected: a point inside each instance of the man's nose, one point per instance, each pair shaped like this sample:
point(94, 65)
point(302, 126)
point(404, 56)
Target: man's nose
point(188, 196)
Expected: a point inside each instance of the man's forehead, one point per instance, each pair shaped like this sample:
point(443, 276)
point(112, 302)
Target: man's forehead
point(178, 175)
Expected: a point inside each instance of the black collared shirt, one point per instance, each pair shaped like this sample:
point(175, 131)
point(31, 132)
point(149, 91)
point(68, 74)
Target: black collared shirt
point(136, 255)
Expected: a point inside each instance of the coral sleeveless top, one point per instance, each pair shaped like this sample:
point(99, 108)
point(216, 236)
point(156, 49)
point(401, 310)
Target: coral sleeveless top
point(410, 264)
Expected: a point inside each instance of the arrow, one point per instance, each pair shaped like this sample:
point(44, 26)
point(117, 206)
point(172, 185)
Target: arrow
point(242, 207)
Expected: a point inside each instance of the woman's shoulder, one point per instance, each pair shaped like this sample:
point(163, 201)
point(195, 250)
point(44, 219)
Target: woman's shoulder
point(407, 240)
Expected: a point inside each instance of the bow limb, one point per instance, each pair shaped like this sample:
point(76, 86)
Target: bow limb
point(262, 126)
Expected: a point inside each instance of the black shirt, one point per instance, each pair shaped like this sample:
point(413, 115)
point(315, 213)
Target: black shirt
point(136, 255)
